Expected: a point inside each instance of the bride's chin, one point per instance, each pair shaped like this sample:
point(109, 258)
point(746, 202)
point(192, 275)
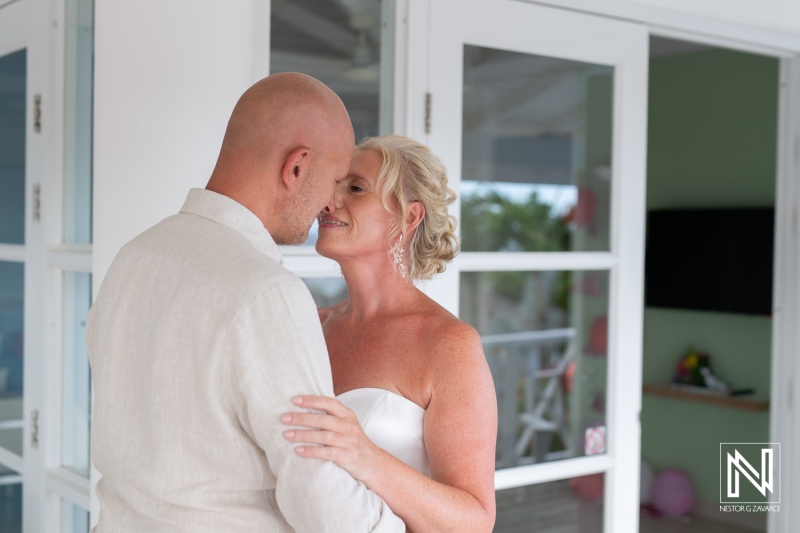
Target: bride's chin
point(324, 251)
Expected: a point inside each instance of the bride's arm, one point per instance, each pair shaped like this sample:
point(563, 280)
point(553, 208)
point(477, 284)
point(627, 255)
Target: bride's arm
point(460, 434)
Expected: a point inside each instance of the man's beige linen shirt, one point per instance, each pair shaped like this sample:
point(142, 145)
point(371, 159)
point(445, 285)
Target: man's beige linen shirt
point(198, 340)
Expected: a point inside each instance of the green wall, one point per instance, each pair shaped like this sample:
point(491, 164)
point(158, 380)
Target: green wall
point(711, 143)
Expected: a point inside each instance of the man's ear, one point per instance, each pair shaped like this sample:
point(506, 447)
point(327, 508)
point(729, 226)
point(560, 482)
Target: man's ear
point(415, 212)
point(295, 169)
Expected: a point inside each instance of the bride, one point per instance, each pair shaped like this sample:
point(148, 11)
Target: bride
point(415, 417)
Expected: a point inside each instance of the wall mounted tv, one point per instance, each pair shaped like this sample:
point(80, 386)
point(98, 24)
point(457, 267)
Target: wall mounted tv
point(710, 259)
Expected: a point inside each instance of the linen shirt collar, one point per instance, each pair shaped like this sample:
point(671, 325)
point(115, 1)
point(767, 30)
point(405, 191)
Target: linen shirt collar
point(228, 212)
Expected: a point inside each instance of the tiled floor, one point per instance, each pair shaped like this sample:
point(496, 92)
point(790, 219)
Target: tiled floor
point(554, 508)
point(693, 525)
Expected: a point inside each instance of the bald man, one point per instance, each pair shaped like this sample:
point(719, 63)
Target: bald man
point(199, 339)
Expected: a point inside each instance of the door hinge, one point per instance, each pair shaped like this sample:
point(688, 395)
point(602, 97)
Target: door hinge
point(428, 98)
point(37, 113)
point(35, 428)
point(37, 202)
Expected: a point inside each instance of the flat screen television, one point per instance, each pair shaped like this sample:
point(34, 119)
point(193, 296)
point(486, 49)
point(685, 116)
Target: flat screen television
point(710, 259)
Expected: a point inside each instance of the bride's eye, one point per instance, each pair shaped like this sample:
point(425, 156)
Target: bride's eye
point(356, 188)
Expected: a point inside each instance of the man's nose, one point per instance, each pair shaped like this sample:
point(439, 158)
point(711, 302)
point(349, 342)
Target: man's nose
point(334, 202)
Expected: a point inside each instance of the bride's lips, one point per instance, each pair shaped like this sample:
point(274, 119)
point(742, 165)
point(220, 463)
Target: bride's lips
point(328, 221)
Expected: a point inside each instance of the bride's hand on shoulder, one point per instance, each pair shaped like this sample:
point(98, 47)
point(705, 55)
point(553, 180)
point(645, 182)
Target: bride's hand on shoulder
point(334, 434)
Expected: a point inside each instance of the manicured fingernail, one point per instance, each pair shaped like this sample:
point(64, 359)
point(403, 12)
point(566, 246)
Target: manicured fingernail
point(301, 449)
point(289, 434)
point(297, 399)
point(286, 418)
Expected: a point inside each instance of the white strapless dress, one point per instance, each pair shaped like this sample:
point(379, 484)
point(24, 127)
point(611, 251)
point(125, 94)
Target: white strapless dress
point(392, 422)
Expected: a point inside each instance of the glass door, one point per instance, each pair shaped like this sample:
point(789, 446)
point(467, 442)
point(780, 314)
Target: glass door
point(19, 344)
point(45, 264)
point(540, 117)
point(13, 68)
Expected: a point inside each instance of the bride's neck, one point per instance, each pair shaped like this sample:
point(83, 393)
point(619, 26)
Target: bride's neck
point(376, 289)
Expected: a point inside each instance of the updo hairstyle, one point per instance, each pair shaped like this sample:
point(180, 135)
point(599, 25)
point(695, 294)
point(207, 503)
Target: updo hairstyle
point(410, 172)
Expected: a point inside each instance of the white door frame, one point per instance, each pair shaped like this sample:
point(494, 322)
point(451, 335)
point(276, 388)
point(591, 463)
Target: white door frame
point(784, 397)
point(702, 28)
point(520, 27)
point(59, 484)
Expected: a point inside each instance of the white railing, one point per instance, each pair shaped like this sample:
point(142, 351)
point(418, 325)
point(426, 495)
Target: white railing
point(515, 360)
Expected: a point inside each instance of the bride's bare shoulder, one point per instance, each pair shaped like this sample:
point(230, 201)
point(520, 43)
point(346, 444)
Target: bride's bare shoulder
point(448, 336)
point(455, 336)
point(448, 330)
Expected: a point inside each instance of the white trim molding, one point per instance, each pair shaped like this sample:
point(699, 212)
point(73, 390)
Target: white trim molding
point(522, 476)
point(784, 400)
point(69, 485)
point(700, 27)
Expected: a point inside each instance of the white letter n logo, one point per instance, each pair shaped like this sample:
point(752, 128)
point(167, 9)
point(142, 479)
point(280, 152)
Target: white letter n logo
point(740, 464)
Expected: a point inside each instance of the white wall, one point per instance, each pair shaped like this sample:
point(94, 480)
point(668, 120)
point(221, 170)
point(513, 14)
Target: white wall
point(167, 75)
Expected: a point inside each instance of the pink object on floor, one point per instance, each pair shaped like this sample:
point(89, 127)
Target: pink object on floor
point(672, 493)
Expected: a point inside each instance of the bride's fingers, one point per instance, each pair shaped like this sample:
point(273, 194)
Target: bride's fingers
point(326, 438)
point(322, 403)
point(315, 420)
point(320, 452)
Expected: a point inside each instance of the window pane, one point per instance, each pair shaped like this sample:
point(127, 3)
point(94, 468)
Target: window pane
point(544, 335)
point(74, 519)
point(313, 234)
point(12, 148)
point(327, 291)
point(10, 501)
point(348, 45)
point(79, 62)
point(75, 384)
point(536, 163)
point(568, 505)
point(11, 355)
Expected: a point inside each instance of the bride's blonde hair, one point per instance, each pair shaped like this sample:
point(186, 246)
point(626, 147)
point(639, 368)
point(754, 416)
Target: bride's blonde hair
point(410, 172)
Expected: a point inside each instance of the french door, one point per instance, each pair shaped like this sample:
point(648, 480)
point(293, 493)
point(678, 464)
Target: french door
point(21, 341)
point(45, 263)
point(539, 115)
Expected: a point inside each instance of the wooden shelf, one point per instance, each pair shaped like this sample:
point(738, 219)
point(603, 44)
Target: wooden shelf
point(734, 402)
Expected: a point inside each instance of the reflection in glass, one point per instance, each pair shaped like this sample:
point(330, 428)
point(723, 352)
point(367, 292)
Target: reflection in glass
point(73, 518)
point(75, 383)
point(11, 328)
point(79, 64)
point(10, 501)
point(327, 291)
point(11, 356)
point(544, 335)
point(568, 505)
point(12, 148)
point(347, 45)
point(536, 144)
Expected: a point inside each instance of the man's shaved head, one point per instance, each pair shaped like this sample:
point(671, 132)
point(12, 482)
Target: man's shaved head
point(288, 140)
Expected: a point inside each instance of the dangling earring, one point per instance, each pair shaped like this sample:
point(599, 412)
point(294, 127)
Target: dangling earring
point(399, 258)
